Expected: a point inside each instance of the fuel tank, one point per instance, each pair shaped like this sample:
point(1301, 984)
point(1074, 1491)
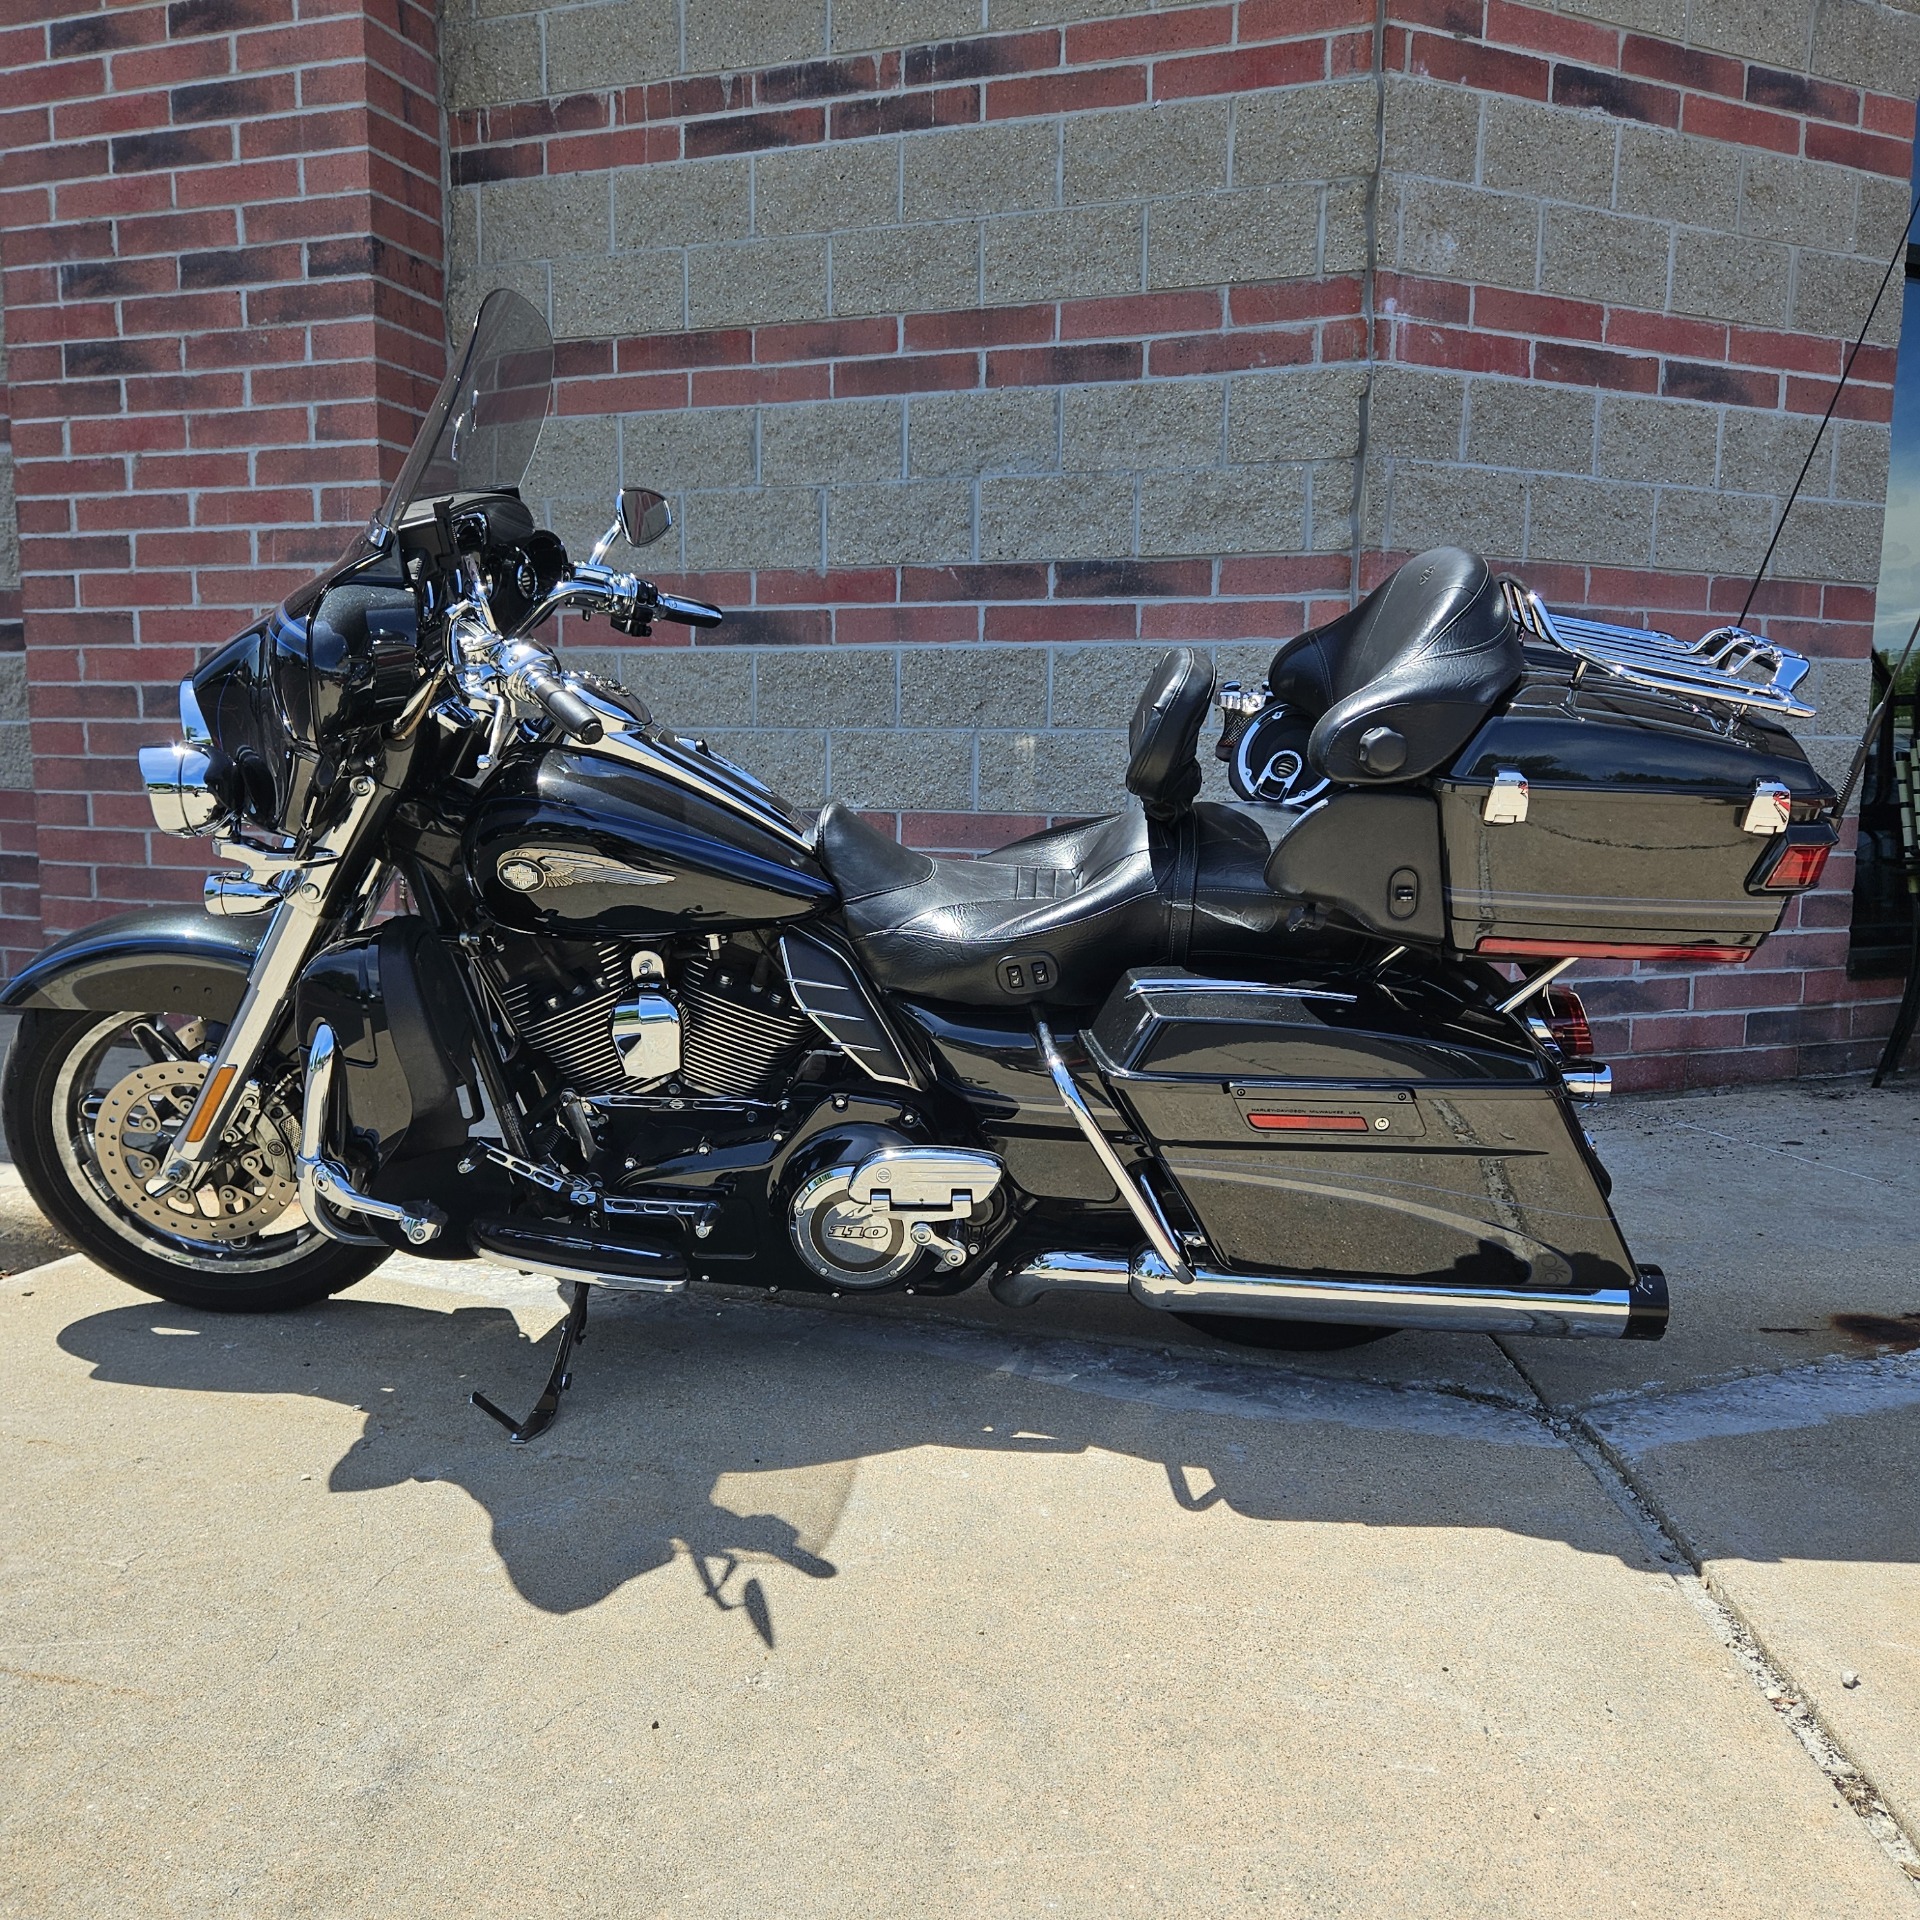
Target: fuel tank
point(580, 844)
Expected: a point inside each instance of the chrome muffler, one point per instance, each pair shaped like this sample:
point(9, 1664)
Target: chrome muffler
point(1638, 1312)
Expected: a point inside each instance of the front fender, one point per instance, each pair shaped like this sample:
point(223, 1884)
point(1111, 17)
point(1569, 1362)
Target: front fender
point(159, 960)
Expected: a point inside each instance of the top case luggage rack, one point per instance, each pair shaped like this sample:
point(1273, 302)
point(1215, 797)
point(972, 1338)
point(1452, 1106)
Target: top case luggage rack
point(1710, 668)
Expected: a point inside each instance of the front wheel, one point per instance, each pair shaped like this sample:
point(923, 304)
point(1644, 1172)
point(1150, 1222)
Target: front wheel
point(90, 1099)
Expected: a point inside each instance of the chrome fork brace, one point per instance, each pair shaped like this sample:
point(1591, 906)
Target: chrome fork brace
point(322, 1179)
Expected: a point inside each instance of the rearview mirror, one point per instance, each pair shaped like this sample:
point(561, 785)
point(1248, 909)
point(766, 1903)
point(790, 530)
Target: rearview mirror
point(644, 515)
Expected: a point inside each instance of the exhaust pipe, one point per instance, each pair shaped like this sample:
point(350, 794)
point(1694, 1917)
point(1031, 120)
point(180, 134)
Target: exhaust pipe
point(1638, 1312)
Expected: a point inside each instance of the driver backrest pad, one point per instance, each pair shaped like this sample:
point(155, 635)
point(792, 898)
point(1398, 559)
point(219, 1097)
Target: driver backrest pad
point(1163, 765)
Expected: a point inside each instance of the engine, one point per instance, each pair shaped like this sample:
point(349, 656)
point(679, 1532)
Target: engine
point(697, 1017)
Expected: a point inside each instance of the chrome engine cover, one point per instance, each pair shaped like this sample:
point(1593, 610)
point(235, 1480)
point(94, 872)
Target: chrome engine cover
point(865, 1223)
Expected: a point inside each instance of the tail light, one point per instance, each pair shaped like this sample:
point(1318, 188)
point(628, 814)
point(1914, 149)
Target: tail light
point(1566, 1019)
point(1795, 861)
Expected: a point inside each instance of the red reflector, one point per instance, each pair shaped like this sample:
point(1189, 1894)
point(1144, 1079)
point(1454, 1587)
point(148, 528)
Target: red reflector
point(1607, 950)
point(1566, 1020)
point(1798, 867)
point(1308, 1122)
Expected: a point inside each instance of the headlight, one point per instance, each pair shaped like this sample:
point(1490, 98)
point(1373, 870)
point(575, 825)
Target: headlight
point(175, 777)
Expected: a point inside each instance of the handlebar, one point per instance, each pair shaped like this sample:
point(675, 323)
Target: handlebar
point(689, 613)
point(560, 700)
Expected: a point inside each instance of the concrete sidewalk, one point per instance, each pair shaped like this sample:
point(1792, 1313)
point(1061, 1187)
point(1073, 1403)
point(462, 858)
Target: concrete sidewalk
point(826, 1609)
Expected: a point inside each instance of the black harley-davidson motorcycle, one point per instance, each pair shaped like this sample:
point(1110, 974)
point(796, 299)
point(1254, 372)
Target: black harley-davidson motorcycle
point(1276, 1066)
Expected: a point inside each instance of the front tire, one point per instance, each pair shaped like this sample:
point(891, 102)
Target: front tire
point(62, 1072)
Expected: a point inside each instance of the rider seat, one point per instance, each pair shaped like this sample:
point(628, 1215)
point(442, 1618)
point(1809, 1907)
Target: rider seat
point(1053, 916)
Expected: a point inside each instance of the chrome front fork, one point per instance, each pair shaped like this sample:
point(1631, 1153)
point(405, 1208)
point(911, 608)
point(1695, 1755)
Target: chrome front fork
point(307, 908)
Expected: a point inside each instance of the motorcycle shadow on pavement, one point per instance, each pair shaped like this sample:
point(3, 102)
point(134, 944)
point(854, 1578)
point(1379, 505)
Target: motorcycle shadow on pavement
point(733, 1432)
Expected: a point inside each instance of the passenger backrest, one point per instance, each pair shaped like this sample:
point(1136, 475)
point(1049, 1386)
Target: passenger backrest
point(1396, 687)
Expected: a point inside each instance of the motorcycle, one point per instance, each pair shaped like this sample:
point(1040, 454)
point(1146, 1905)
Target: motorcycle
point(1297, 1068)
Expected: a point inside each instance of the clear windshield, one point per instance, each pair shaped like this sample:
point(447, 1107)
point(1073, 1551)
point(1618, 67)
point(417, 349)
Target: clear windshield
point(479, 433)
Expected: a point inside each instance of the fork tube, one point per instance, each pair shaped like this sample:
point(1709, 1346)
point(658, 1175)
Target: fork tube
point(291, 938)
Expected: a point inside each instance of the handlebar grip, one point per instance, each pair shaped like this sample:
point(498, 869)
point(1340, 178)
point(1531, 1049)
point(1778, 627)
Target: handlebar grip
point(690, 613)
point(564, 704)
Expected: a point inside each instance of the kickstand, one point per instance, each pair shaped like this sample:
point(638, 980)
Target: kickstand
point(573, 1333)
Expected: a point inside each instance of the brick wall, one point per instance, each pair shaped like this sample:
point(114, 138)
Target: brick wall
point(223, 261)
point(986, 346)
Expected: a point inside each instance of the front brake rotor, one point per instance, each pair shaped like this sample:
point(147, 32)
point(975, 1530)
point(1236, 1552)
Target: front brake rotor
point(246, 1183)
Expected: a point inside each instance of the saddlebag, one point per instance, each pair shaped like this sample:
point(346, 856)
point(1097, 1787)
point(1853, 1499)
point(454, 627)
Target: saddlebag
point(1591, 817)
point(1330, 1131)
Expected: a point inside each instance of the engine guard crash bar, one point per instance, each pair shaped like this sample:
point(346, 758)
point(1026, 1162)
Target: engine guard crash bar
point(1638, 1312)
point(324, 1183)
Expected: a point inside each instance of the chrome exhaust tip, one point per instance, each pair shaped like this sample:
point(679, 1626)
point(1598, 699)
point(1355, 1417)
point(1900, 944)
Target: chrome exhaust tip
point(1637, 1312)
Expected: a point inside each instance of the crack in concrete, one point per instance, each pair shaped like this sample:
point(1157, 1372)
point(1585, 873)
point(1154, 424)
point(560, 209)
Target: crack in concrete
point(1666, 1543)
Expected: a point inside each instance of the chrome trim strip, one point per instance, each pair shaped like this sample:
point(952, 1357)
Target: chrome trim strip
point(1148, 1216)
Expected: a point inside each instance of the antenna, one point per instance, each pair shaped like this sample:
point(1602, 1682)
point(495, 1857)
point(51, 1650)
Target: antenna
point(1845, 374)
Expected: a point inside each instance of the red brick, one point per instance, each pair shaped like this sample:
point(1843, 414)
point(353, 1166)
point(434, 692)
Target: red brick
point(1064, 366)
point(1666, 333)
point(1611, 94)
point(654, 353)
point(1229, 352)
point(1503, 310)
point(1856, 402)
point(906, 113)
point(1012, 621)
point(1175, 31)
point(1281, 63)
point(980, 57)
point(1447, 302)
point(1076, 91)
point(1682, 66)
point(773, 587)
point(1281, 19)
point(762, 386)
point(970, 327)
point(1798, 352)
point(1274, 303)
point(1490, 69)
point(1541, 32)
point(1871, 153)
point(1595, 367)
point(1887, 113)
point(906, 626)
point(906, 373)
point(1467, 18)
point(1459, 347)
point(1745, 126)
point(1004, 581)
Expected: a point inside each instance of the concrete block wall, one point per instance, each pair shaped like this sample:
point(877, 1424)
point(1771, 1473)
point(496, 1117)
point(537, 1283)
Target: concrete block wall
point(986, 345)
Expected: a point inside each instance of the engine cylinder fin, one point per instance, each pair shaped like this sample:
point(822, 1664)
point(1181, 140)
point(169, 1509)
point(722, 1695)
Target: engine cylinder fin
point(736, 1037)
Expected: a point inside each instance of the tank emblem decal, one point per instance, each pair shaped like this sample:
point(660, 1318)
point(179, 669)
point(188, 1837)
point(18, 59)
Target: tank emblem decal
point(528, 872)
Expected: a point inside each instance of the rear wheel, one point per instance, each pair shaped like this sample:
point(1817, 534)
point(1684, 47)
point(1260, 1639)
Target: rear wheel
point(89, 1101)
point(1284, 1336)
